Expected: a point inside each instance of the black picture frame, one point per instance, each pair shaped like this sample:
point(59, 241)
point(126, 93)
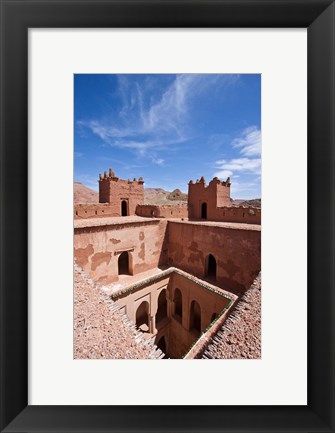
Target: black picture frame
point(17, 16)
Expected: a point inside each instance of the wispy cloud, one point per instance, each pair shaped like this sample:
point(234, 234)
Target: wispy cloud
point(158, 161)
point(149, 122)
point(249, 142)
point(249, 145)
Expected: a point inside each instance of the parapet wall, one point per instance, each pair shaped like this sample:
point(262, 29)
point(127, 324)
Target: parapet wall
point(82, 211)
point(249, 215)
point(178, 211)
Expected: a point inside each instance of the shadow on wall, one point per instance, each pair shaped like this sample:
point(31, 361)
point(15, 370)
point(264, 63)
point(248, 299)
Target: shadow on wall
point(164, 252)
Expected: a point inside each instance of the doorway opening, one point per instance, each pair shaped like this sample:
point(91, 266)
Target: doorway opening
point(124, 208)
point(211, 267)
point(123, 263)
point(204, 211)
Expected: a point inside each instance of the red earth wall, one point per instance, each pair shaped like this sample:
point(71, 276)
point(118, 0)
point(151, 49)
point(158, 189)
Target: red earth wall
point(168, 211)
point(237, 252)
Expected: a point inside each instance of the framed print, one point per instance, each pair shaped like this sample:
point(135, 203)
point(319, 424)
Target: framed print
point(131, 90)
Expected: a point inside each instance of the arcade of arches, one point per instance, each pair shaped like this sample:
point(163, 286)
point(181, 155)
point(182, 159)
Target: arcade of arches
point(174, 310)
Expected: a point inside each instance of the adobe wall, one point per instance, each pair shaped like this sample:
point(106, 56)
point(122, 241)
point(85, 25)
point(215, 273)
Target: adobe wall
point(176, 330)
point(97, 247)
point(167, 211)
point(248, 215)
point(180, 335)
point(95, 210)
point(237, 251)
point(114, 190)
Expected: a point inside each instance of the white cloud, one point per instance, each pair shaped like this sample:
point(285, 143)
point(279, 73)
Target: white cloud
point(249, 142)
point(144, 122)
point(158, 161)
point(246, 165)
point(223, 174)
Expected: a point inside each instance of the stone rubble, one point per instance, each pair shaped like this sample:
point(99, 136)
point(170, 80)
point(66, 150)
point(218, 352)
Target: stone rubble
point(101, 331)
point(240, 335)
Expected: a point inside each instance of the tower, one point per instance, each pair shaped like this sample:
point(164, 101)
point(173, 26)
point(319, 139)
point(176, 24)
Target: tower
point(122, 195)
point(204, 200)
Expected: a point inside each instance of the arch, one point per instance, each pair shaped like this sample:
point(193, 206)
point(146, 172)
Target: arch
point(178, 303)
point(124, 208)
point(204, 211)
point(142, 316)
point(162, 307)
point(195, 316)
point(123, 263)
point(210, 270)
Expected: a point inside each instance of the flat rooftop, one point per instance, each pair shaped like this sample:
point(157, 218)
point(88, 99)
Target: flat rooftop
point(110, 221)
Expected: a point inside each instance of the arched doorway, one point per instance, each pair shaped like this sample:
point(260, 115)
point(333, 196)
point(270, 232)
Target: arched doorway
point(162, 307)
point(178, 304)
point(195, 317)
point(204, 211)
point(142, 316)
point(123, 263)
point(211, 267)
point(124, 208)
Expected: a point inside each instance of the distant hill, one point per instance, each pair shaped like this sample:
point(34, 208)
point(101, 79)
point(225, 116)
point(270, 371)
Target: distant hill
point(256, 202)
point(177, 195)
point(154, 196)
point(83, 194)
point(159, 196)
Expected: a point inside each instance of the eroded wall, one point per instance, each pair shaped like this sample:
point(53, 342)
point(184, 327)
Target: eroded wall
point(237, 252)
point(97, 248)
point(93, 210)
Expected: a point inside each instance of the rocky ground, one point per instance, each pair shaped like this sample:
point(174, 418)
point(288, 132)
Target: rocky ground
point(100, 330)
point(240, 335)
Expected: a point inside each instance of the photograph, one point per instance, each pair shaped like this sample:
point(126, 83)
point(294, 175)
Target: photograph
point(167, 216)
point(140, 142)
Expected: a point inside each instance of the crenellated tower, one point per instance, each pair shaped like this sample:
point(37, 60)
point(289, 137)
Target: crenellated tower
point(122, 195)
point(204, 200)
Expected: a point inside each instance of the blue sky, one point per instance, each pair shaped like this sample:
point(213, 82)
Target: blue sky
point(169, 129)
